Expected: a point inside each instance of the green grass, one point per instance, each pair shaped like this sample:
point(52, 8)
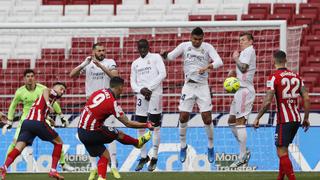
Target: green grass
point(174, 176)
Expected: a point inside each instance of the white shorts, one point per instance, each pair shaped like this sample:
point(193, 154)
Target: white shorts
point(154, 106)
point(242, 103)
point(195, 93)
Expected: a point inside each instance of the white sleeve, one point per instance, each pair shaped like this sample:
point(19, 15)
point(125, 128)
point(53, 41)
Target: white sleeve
point(245, 56)
point(213, 54)
point(112, 65)
point(176, 52)
point(133, 80)
point(154, 83)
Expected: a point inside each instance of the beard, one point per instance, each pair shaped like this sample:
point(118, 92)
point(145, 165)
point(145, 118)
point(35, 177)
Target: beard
point(100, 58)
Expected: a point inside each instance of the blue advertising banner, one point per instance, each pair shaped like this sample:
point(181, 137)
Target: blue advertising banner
point(304, 152)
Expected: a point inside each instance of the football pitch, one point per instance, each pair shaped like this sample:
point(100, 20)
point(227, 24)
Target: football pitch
point(173, 176)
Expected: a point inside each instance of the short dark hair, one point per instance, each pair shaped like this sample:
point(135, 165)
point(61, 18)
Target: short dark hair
point(96, 44)
point(143, 41)
point(116, 82)
point(280, 56)
point(27, 71)
point(197, 31)
point(248, 34)
point(60, 83)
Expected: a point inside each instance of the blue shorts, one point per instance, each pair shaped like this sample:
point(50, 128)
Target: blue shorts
point(285, 133)
point(94, 140)
point(31, 129)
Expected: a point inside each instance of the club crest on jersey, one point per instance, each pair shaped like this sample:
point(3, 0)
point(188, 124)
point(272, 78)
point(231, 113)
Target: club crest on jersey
point(189, 48)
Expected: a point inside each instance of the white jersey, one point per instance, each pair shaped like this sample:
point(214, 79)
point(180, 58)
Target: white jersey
point(148, 72)
point(196, 58)
point(95, 77)
point(247, 56)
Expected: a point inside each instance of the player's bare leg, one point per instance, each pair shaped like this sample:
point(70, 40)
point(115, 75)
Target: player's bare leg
point(285, 165)
point(238, 129)
point(57, 142)
point(208, 125)
point(14, 153)
point(183, 123)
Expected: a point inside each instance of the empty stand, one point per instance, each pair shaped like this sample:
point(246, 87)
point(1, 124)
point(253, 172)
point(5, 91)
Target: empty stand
point(259, 8)
point(200, 17)
point(225, 17)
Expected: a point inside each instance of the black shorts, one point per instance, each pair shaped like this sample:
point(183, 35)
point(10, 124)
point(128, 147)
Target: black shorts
point(94, 140)
point(285, 133)
point(31, 129)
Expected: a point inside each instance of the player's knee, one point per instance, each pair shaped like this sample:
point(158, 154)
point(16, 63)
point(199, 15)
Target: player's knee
point(156, 119)
point(232, 120)
point(184, 117)
point(206, 117)
point(138, 118)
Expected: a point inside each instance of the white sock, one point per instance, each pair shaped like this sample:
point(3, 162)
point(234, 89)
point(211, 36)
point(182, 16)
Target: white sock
point(209, 131)
point(242, 136)
point(113, 154)
point(234, 131)
point(183, 133)
point(143, 149)
point(93, 162)
point(156, 141)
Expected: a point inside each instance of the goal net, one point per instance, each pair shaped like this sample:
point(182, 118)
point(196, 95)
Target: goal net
point(53, 50)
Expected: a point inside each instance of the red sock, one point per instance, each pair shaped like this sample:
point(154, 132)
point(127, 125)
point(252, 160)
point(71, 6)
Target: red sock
point(128, 140)
point(287, 167)
point(102, 166)
point(56, 155)
point(12, 156)
point(281, 173)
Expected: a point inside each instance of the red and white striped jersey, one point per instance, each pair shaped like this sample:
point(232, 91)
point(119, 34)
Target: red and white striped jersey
point(99, 107)
point(287, 86)
point(39, 109)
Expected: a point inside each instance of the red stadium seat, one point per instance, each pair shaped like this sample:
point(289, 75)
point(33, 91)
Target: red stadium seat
point(286, 17)
point(312, 40)
point(82, 42)
point(315, 103)
point(106, 1)
point(259, 8)
point(78, 2)
point(284, 8)
point(301, 19)
point(309, 71)
point(53, 53)
point(309, 8)
point(313, 61)
point(305, 52)
point(200, 17)
point(230, 17)
point(253, 17)
point(315, 29)
point(53, 2)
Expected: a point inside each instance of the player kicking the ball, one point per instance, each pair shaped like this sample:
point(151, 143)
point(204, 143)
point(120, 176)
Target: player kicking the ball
point(93, 134)
point(197, 56)
point(242, 103)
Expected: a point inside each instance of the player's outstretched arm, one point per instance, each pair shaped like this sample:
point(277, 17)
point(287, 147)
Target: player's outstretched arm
point(306, 106)
point(8, 124)
point(46, 93)
point(133, 124)
point(265, 106)
point(76, 71)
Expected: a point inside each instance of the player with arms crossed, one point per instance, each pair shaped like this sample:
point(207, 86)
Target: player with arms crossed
point(26, 95)
point(242, 103)
point(99, 70)
point(93, 134)
point(147, 74)
point(197, 56)
point(286, 86)
point(35, 125)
